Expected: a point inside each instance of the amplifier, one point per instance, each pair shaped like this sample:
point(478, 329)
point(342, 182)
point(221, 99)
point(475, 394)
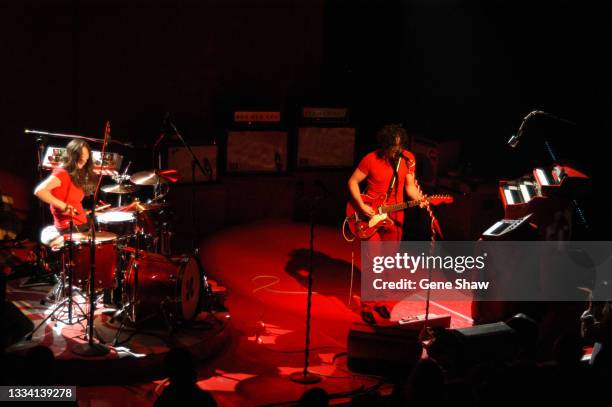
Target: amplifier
point(325, 114)
point(256, 151)
point(375, 349)
point(466, 347)
point(433, 158)
point(475, 208)
point(180, 159)
point(325, 147)
point(257, 117)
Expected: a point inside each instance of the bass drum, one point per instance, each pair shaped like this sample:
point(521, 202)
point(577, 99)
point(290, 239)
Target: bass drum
point(167, 287)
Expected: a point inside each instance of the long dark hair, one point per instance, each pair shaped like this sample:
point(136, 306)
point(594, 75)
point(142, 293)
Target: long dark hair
point(386, 138)
point(84, 178)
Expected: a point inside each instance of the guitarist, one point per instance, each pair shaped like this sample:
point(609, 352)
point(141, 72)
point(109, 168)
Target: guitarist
point(377, 169)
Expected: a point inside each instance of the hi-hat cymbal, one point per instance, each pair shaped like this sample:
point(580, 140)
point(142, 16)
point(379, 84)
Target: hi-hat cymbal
point(118, 189)
point(147, 178)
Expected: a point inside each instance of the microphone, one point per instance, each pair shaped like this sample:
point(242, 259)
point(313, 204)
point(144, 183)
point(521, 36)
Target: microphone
point(400, 154)
point(515, 138)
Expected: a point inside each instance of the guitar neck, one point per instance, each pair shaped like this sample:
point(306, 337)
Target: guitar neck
point(399, 206)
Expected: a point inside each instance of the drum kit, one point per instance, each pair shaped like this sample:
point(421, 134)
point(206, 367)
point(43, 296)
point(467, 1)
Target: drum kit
point(126, 254)
point(134, 268)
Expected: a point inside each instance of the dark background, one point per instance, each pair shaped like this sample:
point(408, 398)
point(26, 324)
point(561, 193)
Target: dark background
point(446, 69)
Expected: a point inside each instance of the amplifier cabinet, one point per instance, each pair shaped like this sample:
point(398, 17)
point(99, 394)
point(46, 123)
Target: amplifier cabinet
point(256, 151)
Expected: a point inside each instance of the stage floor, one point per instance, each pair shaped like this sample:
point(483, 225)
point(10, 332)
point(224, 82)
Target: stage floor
point(263, 266)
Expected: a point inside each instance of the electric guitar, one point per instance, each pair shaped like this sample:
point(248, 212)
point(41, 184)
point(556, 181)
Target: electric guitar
point(364, 228)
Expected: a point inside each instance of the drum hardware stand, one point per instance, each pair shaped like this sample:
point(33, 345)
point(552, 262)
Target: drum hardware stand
point(91, 348)
point(207, 291)
point(68, 300)
point(128, 311)
point(166, 317)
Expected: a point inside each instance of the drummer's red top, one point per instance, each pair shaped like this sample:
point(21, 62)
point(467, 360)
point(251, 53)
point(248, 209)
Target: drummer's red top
point(71, 194)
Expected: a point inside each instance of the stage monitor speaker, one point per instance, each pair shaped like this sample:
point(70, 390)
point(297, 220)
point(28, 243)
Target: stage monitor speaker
point(256, 151)
point(180, 159)
point(433, 158)
point(466, 347)
point(382, 350)
point(326, 147)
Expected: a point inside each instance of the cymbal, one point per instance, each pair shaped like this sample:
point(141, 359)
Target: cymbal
point(154, 206)
point(147, 178)
point(118, 189)
point(137, 206)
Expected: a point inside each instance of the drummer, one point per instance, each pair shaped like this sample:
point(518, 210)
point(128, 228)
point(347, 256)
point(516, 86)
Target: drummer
point(64, 191)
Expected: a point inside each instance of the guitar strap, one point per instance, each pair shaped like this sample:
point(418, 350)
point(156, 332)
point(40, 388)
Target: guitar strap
point(394, 178)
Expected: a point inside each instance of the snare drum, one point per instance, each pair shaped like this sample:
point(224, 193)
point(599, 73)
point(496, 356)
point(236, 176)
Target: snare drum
point(120, 223)
point(106, 257)
point(166, 287)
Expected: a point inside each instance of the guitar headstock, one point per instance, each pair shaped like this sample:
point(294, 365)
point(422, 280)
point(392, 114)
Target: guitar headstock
point(439, 199)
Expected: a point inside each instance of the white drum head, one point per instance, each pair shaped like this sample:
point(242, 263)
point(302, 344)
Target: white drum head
point(115, 217)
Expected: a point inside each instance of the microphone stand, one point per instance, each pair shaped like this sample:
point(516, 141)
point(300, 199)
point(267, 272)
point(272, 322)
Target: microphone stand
point(194, 163)
point(76, 136)
point(306, 377)
point(91, 348)
point(161, 137)
point(514, 140)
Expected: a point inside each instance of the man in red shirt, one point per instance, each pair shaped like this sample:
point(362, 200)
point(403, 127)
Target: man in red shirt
point(64, 190)
point(377, 169)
